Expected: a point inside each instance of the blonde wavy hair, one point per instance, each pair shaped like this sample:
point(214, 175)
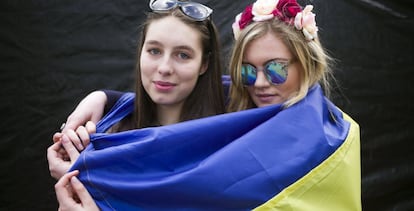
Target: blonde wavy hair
point(313, 60)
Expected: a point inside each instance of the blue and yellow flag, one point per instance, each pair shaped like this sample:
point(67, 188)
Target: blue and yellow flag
point(305, 157)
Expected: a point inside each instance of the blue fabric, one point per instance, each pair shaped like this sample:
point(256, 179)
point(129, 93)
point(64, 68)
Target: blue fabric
point(232, 161)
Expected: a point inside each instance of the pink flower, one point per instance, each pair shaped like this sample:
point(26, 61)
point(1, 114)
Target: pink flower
point(263, 9)
point(242, 20)
point(305, 21)
point(288, 11)
point(246, 17)
point(289, 8)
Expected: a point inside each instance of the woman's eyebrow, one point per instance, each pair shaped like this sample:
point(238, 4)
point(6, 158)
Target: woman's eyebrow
point(184, 47)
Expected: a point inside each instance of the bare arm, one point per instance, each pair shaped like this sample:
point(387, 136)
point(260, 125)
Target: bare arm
point(90, 109)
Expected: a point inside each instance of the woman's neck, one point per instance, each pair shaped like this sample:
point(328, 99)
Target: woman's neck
point(169, 114)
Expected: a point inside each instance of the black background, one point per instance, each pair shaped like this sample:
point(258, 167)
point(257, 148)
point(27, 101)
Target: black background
point(53, 53)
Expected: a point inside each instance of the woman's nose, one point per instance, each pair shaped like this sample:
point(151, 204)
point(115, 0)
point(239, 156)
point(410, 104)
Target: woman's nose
point(165, 66)
point(261, 80)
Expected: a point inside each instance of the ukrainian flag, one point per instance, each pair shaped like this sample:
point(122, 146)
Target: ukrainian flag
point(306, 157)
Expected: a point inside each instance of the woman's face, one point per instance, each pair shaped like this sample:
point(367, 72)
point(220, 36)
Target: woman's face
point(258, 53)
point(171, 61)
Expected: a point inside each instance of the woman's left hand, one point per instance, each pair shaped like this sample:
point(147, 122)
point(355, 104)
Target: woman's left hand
point(72, 194)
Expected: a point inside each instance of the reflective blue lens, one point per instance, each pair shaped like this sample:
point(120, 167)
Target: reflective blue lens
point(248, 74)
point(275, 72)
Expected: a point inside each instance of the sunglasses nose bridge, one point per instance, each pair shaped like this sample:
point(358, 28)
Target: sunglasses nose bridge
point(261, 78)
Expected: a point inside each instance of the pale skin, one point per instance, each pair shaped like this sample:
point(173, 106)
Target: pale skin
point(170, 66)
point(63, 152)
point(260, 51)
point(61, 156)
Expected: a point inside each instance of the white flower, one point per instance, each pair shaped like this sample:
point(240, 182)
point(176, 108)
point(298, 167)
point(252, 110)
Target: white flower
point(305, 21)
point(262, 9)
point(236, 27)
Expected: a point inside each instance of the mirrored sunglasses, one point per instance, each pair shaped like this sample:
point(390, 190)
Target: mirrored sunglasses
point(275, 72)
point(194, 10)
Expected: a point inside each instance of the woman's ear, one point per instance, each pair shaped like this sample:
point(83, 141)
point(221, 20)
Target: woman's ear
point(204, 66)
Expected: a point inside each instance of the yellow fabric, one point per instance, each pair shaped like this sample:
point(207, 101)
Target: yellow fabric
point(334, 185)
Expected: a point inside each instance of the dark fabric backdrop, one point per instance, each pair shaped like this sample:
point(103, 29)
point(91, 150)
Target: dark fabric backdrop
point(53, 53)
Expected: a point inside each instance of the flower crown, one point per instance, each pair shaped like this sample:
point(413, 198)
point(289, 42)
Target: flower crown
point(288, 11)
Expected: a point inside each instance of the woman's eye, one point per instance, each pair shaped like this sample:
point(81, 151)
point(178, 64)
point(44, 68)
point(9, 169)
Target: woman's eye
point(183, 56)
point(154, 51)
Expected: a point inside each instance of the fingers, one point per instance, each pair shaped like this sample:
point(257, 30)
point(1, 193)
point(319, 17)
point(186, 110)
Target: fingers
point(74, 121)
point(57, 137)
point(63, 190)
point(81, 138)
point(60, 186)
point(80, 190)
point(61, 156)
point(73, 136)
point(83, 135)
point(90, 127)
point(52, 152)
point(83, 195)
point(72, 194)
point(70, 149)
point(57, 165)
point(84, 132)
point(54, 147)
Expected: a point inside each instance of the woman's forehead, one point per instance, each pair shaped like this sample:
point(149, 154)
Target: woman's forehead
point(171, 30)
point(266, 47)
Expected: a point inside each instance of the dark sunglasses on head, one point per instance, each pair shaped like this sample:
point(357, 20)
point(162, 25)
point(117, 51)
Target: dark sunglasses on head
point(194, 10)
point(275, 72)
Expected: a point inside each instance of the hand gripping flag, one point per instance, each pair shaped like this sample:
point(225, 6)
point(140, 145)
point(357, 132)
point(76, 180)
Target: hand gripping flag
point(305, 157)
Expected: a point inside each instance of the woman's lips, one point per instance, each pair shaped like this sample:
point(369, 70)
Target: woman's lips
point(265, 97)
point(164, 86)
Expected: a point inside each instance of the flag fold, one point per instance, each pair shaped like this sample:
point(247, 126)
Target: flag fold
point(264, 158)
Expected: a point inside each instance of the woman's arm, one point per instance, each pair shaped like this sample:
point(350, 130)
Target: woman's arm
point(91, 108)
